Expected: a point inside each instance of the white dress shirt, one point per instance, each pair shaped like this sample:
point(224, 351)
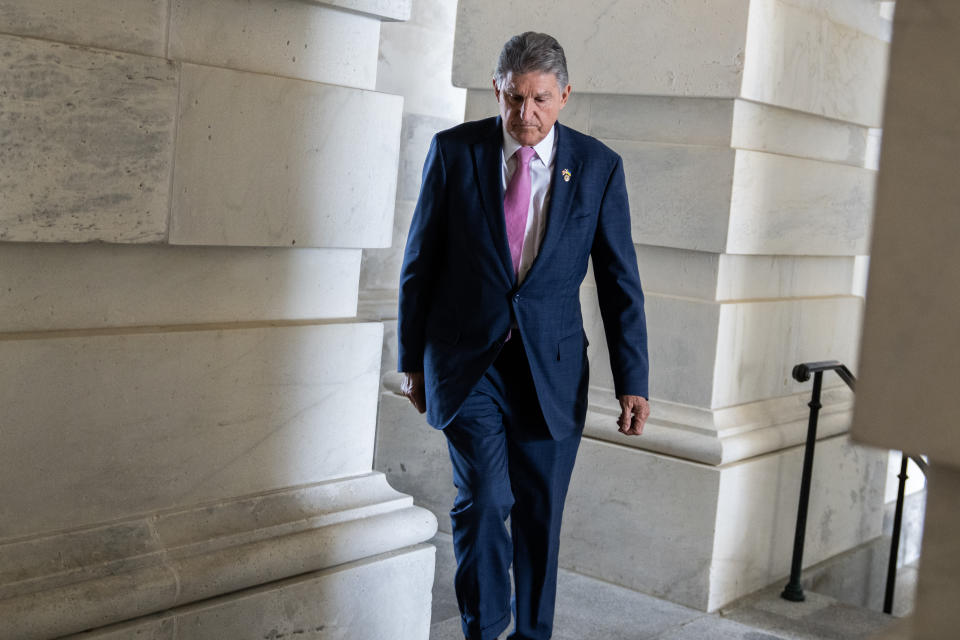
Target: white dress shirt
point(541, 170)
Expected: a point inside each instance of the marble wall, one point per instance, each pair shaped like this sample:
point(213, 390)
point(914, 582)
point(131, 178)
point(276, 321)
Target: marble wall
point(190, 395)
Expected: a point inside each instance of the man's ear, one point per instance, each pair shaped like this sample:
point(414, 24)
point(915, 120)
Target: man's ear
point(564, 95)
point(496, 90)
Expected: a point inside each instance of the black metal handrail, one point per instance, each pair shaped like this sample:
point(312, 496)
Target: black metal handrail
point(801, 373)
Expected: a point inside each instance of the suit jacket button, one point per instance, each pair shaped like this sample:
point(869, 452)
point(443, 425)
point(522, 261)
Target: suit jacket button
point(516, 298)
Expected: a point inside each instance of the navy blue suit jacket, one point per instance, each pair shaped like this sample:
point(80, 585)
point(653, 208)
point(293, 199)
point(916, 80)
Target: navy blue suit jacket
point(459, 295)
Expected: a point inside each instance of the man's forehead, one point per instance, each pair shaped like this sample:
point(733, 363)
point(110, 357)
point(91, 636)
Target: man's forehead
point(535, 82)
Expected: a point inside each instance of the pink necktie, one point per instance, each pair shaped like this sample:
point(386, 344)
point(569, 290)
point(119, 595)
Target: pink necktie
point(516, 204)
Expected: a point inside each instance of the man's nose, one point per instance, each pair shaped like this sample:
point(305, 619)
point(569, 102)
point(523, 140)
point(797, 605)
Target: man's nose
point(526, 109)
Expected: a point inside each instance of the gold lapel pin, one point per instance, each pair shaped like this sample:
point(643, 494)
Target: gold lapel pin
point(566, 175)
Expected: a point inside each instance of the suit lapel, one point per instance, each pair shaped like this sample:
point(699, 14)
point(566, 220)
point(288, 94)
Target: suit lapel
point(561, 198)
point(487, 157)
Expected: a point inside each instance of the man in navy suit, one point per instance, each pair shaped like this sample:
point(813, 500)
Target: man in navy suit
point(491, 339)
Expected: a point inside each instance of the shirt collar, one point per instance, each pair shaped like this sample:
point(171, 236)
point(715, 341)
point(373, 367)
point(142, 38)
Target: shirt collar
point(544, 148)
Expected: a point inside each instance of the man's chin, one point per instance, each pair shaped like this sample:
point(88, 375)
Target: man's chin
point(527, 136)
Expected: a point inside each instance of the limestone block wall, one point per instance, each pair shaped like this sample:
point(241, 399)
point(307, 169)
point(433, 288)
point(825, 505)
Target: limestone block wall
point(189, 394)
point(748, 130)
point(415, 62)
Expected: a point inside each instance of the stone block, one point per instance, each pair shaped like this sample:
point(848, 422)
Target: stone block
point(757, 506)
point(294, 39)
point(195, 554)
point(679, 195)
point(88, 142)
point(711, 355)
point(760, 342)
point(415, 62)
point(683, 48)
point(743, 277)
point(700, 535)
point(102, 426)
point(668, 120)
point(784, 205)
point(682, 347)
point(835, 70)
point(385, 9)
point(137, 26)
point(677, 272)
point(761, 127)
point(414, 457)
point(415, 136)
point(726, 277)
point(642, 521)
point(381, 267)
point(267, 161)
point(52, 287)
point(322, 605)
point(726, 435)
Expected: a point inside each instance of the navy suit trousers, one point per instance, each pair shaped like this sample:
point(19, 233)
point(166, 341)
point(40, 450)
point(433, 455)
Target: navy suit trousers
point(505, 463)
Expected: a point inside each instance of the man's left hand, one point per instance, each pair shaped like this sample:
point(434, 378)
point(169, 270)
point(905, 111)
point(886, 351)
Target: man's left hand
point(634, 411)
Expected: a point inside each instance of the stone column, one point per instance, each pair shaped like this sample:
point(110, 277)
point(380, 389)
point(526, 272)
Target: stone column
point(415, 62)
point(188, 396)
point(907, 396)
point(746, 128)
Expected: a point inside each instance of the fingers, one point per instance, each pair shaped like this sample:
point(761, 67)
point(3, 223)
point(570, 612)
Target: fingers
point(633, 417)
point(418, 399)
point(412, 387)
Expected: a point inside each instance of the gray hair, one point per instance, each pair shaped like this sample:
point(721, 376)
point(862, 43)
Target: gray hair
point(531, 51)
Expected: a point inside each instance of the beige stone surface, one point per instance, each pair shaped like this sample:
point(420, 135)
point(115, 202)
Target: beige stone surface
point(762, 127)
point(87, 143)
point(786, 205)
point(798, 57)
point(757, 506)
point(268, 161)
point(49, 287)
point(415, 62)
point(103, 426)
point(414, 457)
point(679, 194)
point(386, 9)
point(683, 48)
point(641, 520)
point(295, 39)
point(195, 554)
point(703, 536)
point(137, 26)
point(936, 614)
point(321, 605)
point(910, 335)
point(760, 342)
point(744, 277)
point(725, 277)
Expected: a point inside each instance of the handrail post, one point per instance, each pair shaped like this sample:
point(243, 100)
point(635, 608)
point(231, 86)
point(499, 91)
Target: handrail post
point(895, 542)
point(794, 590)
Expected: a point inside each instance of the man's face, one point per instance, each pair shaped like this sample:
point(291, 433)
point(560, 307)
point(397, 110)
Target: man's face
point(530, 104)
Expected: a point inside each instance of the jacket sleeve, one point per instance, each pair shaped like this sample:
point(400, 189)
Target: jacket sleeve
point(421, 261)
point(619, 291)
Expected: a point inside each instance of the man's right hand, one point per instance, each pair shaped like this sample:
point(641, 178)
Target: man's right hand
point(412, 387)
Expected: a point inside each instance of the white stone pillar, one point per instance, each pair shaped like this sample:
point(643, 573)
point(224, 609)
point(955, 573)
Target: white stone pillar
point(415, 62)
point(188, 397)
point(907, 396)
point(745, 128)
